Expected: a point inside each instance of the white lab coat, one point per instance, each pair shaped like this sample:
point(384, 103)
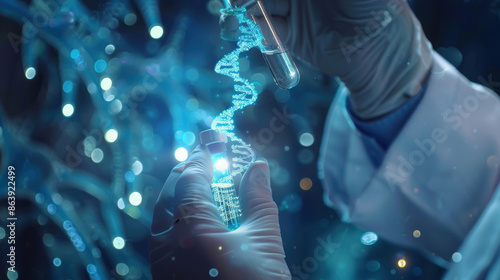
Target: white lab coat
point(439, 176)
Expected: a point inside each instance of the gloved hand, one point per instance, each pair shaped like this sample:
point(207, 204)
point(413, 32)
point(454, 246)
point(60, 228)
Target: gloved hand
point(376, 47)
point(189, 239)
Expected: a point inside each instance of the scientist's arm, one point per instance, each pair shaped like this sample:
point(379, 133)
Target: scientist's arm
point(436, 177)
point(432, 132)
point(377, 48)
point(189, 240)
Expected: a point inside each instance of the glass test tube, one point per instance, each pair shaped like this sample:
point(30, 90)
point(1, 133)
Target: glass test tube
point(223, 190)
point(284, 71)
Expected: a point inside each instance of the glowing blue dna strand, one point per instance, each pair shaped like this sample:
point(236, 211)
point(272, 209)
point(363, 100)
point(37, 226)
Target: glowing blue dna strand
point(245, 92)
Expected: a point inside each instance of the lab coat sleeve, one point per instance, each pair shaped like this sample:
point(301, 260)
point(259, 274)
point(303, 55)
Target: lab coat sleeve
point(479, 255)
point(437, 176)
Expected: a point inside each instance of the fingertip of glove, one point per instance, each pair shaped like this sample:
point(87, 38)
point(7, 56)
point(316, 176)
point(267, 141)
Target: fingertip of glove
point(259, 173)
point(261, 159)
point(199, 160)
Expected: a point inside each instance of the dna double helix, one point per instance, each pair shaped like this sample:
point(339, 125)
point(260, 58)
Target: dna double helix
point(245, 93)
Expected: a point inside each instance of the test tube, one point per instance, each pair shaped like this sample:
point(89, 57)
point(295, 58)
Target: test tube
point(280, 63)
point(223, 190)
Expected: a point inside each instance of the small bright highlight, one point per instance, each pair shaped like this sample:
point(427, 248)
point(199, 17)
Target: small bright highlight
point(306, 139)
point(30, 73)
point(118, 243)
point(137, 167)
point(106, 83)
point(221, 164)
point(156, 32)
point(369, 238)
point(402, 263)
point(68, 110)
point(181, 154)
point(109, 49)
point(456, 257)
point(135, 198)
point(120, 204)
point(111, 135)
point(97, 155)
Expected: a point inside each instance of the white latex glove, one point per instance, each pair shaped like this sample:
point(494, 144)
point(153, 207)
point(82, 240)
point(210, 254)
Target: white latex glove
point(189, 238)
point(376, 47)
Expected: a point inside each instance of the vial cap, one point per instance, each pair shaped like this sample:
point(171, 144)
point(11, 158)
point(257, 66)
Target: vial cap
point(214, 140)
point(211, 136)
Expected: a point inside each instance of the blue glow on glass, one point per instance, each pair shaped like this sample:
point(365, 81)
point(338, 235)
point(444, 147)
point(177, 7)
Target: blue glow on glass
point(224, 193)
point(221, 166)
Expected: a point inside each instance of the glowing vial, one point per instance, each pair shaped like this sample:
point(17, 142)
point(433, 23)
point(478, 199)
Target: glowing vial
point(280, 63)
point(223, 190)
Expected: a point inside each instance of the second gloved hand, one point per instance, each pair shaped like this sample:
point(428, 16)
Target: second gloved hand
point(376, 47)
point(190, 241)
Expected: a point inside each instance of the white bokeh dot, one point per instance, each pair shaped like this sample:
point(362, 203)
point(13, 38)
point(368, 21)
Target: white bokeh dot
point(181, 154)
point(306, 139)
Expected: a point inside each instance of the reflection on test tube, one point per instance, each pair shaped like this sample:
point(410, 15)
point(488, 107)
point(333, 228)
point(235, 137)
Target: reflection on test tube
point(280, 63)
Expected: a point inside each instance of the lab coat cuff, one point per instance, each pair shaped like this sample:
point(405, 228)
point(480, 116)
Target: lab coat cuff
point(385, 129)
